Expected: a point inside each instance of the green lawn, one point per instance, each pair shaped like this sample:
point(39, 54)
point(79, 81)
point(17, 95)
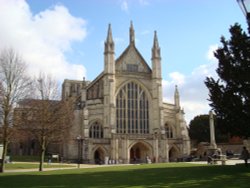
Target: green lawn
point(20, 165)
point(137, 176)
point(26, 158)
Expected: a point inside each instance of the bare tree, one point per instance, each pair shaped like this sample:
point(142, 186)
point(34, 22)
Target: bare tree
point(46, 117)
point(14, 85)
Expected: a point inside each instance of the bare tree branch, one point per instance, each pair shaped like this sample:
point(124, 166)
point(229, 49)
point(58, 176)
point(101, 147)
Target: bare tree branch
point(46, 118)
point(14, 85)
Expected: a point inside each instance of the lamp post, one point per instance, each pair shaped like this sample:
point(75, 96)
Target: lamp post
point(245, 7)
point(79, 141)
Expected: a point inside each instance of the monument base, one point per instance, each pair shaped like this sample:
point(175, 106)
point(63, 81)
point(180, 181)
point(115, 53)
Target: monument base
point(214, 152)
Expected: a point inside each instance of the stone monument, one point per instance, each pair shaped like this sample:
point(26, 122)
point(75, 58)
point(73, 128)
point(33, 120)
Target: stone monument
point(213, 150)
point(212, 133)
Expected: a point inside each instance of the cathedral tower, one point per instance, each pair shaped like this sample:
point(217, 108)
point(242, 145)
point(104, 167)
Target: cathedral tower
point(109, 84)
point(157, 84)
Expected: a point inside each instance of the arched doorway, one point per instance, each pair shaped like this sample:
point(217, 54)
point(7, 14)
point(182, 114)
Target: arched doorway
point(173, 154)
point(99, 156)
point(139, 152)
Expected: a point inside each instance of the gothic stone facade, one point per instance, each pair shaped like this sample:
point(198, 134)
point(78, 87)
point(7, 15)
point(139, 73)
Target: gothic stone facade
point(120, 116)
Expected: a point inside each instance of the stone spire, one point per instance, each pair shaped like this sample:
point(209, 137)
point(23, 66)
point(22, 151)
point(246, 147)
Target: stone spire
point(157, 107)
point(156, 51)
point(176, 97)
point(109, 43)
point(109, 53)
point(131, 34)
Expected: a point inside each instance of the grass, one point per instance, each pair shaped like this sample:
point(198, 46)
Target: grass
point(170, 175)
point(20, 165)
point(25, 158)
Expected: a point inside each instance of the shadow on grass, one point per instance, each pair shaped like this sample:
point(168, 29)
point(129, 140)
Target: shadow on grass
point(133, 176)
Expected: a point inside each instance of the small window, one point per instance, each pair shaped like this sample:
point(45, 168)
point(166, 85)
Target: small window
point(96, 131)
point(168, 131)
point(132, 68)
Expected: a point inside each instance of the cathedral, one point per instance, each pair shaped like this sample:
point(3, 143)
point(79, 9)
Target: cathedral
point(120, 116)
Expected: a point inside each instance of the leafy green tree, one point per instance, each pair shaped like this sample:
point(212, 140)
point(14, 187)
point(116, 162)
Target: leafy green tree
point(199, 130)
point(230, 94)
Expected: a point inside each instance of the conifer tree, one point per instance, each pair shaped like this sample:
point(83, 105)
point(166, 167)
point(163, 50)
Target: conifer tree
point(230, 94)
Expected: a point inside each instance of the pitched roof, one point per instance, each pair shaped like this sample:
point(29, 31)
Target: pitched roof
point(131, 53)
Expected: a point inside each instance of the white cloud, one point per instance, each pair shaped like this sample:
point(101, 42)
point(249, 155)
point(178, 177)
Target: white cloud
point(124, 6)
point(177, 78)
point(210, 53)
point(193, 91)
point(42, 39)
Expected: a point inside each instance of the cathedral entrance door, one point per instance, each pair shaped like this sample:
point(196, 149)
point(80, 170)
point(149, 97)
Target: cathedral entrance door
point(135, 155)
point(173, 154)
point(99, 156)
point(139, 153)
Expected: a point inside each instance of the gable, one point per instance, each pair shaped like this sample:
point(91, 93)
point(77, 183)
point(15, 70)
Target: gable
point(95, 88)
point(132, 61)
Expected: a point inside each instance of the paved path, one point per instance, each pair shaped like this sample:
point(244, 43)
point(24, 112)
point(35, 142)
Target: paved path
point(71, 166)
point(228, 162)
point(75, 166)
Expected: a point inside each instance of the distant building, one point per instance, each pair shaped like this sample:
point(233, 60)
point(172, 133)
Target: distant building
point(120, 116)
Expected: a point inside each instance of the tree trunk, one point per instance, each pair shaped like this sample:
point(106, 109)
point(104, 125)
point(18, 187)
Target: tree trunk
point(5, 146)
point(42, 155)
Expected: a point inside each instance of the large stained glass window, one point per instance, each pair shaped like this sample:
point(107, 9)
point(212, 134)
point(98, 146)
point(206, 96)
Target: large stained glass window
point(132, 115)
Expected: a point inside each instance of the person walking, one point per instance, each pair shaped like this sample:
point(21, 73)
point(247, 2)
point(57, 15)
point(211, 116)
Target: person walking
point(245, 155)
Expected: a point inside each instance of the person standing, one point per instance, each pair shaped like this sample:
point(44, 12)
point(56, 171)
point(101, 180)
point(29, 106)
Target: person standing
point(49, 159)
point(245, 155)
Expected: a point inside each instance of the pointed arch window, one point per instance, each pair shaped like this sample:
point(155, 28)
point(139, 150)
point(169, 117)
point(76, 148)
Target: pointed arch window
point(169, 131)
point(96, 130)
point(132, 110)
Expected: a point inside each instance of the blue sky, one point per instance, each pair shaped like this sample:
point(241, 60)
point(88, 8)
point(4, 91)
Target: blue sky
point(65, 38)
